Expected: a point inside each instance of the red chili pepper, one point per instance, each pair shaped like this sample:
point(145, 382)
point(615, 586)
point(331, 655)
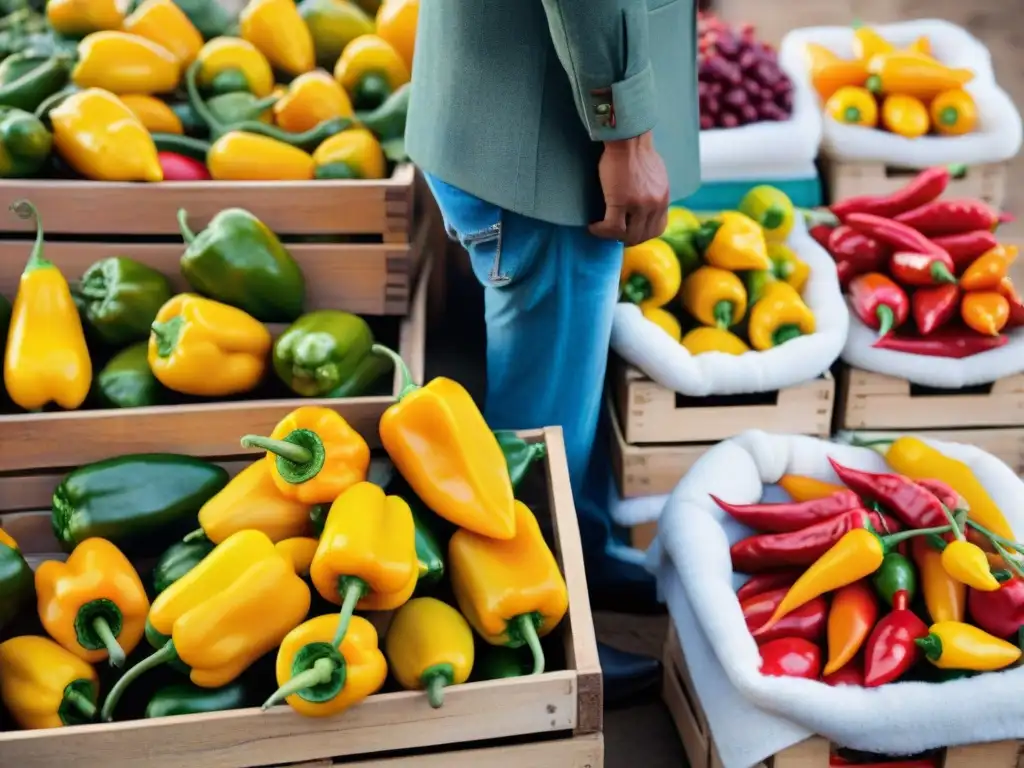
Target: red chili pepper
point(846, 270)
point(879, 303)
point(934, 307)
point(966, 246)
point(769, 551)
point(951, 217)
point(820, 233)
point(921, 270)
point(953, 341)
point(1009, 291)
point(909, 502)
point(923, 188)
point(894, 234)
point(180, 168)
point(851, 674)
point(1000, 613)
point(944, 492)
point(807, 622)
point(765, 582)
point(790, 516)
point(791, 657)
point(847, 244)
point(891, 650)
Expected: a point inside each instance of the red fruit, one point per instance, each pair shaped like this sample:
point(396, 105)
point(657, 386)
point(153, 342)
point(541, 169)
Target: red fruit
point(180, 168)
point(791, 657)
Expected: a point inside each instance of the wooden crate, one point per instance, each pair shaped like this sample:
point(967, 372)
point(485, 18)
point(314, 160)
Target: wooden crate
point(985, 182)
point(681, 699)
point(359, 243)
point(555, 719)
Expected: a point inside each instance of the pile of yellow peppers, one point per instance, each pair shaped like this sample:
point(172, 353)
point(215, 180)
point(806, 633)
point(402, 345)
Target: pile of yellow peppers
point(727, 283)
point(268, 583)
point(904, 91)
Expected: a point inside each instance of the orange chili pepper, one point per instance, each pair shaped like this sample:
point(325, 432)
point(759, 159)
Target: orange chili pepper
point(829, 73)
point(986, 271)
point(986, 312)
point(944, 596)
point(954, 113)
point(850, 620)
point(802, 488)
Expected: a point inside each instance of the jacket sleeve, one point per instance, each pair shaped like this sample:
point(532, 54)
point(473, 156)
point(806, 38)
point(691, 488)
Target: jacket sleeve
point(603, 46)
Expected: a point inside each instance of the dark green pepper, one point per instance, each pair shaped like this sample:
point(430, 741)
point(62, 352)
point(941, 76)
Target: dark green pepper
point(138, 502)
point(189, 699)
point(127, 381)
point(25, 144)
point(120, 298)
point(519, 454)
point(179, 558)
point(756, 281)
point(36, 85)
point(428, 551)
point(361, 381)
point(387, 122)
point(684, 245)
point(495, 662)
point(321, 351)
point(190, 121)
point(895, 574)
point(17, 583)
point(14, 67)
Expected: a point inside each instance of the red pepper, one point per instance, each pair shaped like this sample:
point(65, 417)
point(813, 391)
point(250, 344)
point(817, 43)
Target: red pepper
point(766, 582)
point(1000, 613)
point(180, 168)
point(790, 516)
point(891, 650)
point(807, 622)
point(953, 341)
point(879, 303)
point(846, 270)
point(820, 233)
point(1007, 289)
point(769, 551)
point(865, 253)
point(851, 674)
point(934, 307)
point(894, 234)
point(923, 188)
point(921, 270)
point(966, 246)
point(911, 504)
point(945, 493)
point(951, 217)
point(791, 657)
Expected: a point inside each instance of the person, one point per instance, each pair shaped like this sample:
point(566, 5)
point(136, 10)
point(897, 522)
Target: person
point(552, 133)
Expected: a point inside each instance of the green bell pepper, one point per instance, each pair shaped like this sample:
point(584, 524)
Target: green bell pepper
point(36, 85)
point(327, 352)
point(25, 144)
point(495, 662)
point(177, 560)
point(120, 297)
point(137, 502)
point(519, 454)
point(190, 699)
point(14, 67)
point(17, 584)
point(127, 380)
point(895, 574)
point(239, 261)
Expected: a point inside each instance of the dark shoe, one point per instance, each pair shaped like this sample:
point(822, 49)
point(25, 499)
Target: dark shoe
point(628, 677)
point(618, 586)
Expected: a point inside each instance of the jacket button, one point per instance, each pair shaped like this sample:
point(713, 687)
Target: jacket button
point(603, 109)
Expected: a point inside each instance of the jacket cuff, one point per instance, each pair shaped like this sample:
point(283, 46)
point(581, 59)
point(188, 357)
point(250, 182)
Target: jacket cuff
point(624, 110)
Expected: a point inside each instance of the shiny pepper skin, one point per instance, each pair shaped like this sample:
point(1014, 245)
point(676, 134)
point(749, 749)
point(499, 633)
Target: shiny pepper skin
point(277, 29)
point(779, 316)
point(987, 312)
point(232, 54)
point(311, 98)
point(74, 18)
point(944, 596)
point(120, 62)
point(955, 645)
point(651, 274)
point(396, 22)
point(370, 70)
point(791, 657)
point(1000, 613)
point(966, 562)
point(163, 22)
point(241, 156)
point(44, 686)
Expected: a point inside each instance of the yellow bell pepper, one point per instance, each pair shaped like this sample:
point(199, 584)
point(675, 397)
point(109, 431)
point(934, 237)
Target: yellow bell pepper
point(351, 154)
point(867, 43)
point(251, 501)
point(779, 316)
point(733, 241)
point(163, 22)
point(44, 686)
point(955, 645)
point(153, 113)
point(319, 677)
point(78, 18)
point(313, 455)
point(396, 23)
point(788, 267)
point(334, 24)
point(954, 113)
point(511, 592)
point(94, 604)
point(300, 551)
point(440, 443)
point(311, 98)
point(102, 139)
point(853, 105)
point(905, 116)
point(202, 347)
point(916, 75)
point(966, 562)
point(46, 358)
point(429, 645)
point(370, 70)
point(715, 297)
point(702, 340)
point(772, 209)
point(367, 554)
point(236, 605)
point(231, 64)
point(651, 274)
point(123, 63)
point(664, 320)
point(240, 156)
point(277, 29)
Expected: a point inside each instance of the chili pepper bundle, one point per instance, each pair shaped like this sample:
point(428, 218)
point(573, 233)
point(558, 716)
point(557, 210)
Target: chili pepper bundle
point(891, 649)
point(765, 582)
point(878, 302)
point(913, 505)
point(791, 657)
point(928, 185)
point(807, 622)
point(851, 618)
point(787, 517)
point(950, 217)
point(934, 307)
point(955, 645)
point(956, 342)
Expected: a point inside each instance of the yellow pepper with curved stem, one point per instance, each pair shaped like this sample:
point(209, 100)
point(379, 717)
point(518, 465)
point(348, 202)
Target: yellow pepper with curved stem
point(650, 275)
point(868, 43)
point(665, 320)
point(772, 209)
point(956, 645)
point(277, 29)
point(240, 156)
point(703, 339)
point(396, 23)
point(153, 113)
point(78, 18)
point(231, 63)
point(966, 562)
point(788, 267)
point(779, 316)
point(954, 113)
point(733, 241)
point(905, 116)
point(715, 297)
point(46, 358)
point(311, 98)
point(912, 74)
point(98, 136)
point(370, 70)
point(123, 63)
point(202, 347)
point(429, 646)
point(299, 551)
point(351, 154)
point(44, 686)
point(853, 105)
point(163, 22)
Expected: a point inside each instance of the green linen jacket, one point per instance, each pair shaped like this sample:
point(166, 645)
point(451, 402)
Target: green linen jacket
point(512, 99)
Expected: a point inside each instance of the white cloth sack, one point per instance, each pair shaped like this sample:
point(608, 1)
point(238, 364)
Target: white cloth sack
point(694, 536)
point(649, 348)
point(999, 132)
point(765, 171)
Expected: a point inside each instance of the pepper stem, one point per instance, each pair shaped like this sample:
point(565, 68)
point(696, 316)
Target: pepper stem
point(196, 535)
point(1009, 559)
point(114, 649)
point(319, 674)
point(186, 234)
point(896, 538)
point(952, 521)
point(80, 702)
point(528, 631)
point(167, 334)
point(408, 385)
point(773, 217)
point(435, 678)
point(940, 273)
point(722, 314)
point(931, 645)
point(995, 537)
point(23, 209)
point(197, 103)
point(164, 655)
point(288, 451)
point(352, 589)
point(886, 319)
point(636, 289)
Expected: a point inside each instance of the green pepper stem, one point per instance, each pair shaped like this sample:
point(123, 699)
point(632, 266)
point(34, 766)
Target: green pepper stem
point(773, 217)
point(886, 319)
point(186, 234)
point(318, 674)
point(195, 100)
point(528, 631)
point(1010, 560)
point(936, 542)
point(538, 451)
point(722, 314)
point(940, 273)
point(896, 538)
point(80, 702)
point(952, 521)
point(23, 209)
point(408, 385)
point(197, 535)
point(434, 680)
point(931, 645)
point(167, 334)
point(164, 655)
point(288, 451)
point(114, 649)
point(91, 291)
point(636, 289)
point(351, 589)
point(995, 537)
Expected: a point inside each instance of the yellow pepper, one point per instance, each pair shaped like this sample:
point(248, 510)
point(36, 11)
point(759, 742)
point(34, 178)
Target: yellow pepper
point(102, 139)
point(511, 592)
point(853, 105)
point(921, 45)
point(311, 98)
point(905, 116)
point(46, 358)
point(367, 554)
point(772, 209)
point(665, 320)
point(163, 22)
point(779, 316)
point(202, 347)
point(351, 154)
point(954, 113)
point(438, 440)
point(429, 645)
point(240, 156)
point(313, 455)
point(277, 29)
point(702, 340)
point(955, 645)
point(651, 274)
point(829, 73)
point(788, 267)
point(299, 551)
point(966, 562)
point(715, 297)
point(123, 63)
point(94, 604)
point(78, 18)
point(334, 24)
point(44, 686)
point(944, 596)
point(236, 605)
point(733, 241)
point(867, 43)
point(916, 75)
point(319, 677)
point(396, 23)
point(153, 113)
point(370, 70)
point(252, 501)
point(233, 64)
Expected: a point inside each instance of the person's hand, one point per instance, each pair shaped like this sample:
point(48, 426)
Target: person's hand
point(636, 194)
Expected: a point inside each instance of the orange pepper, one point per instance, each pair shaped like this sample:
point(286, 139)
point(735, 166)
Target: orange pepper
point(944, 596)
point(986, 271)
point(801, 488)
point(986, 312)
point(850, 620)
point(840, 74)
point(954, 113)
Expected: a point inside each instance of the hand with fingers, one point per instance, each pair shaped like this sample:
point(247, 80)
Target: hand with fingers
point(636, 191)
